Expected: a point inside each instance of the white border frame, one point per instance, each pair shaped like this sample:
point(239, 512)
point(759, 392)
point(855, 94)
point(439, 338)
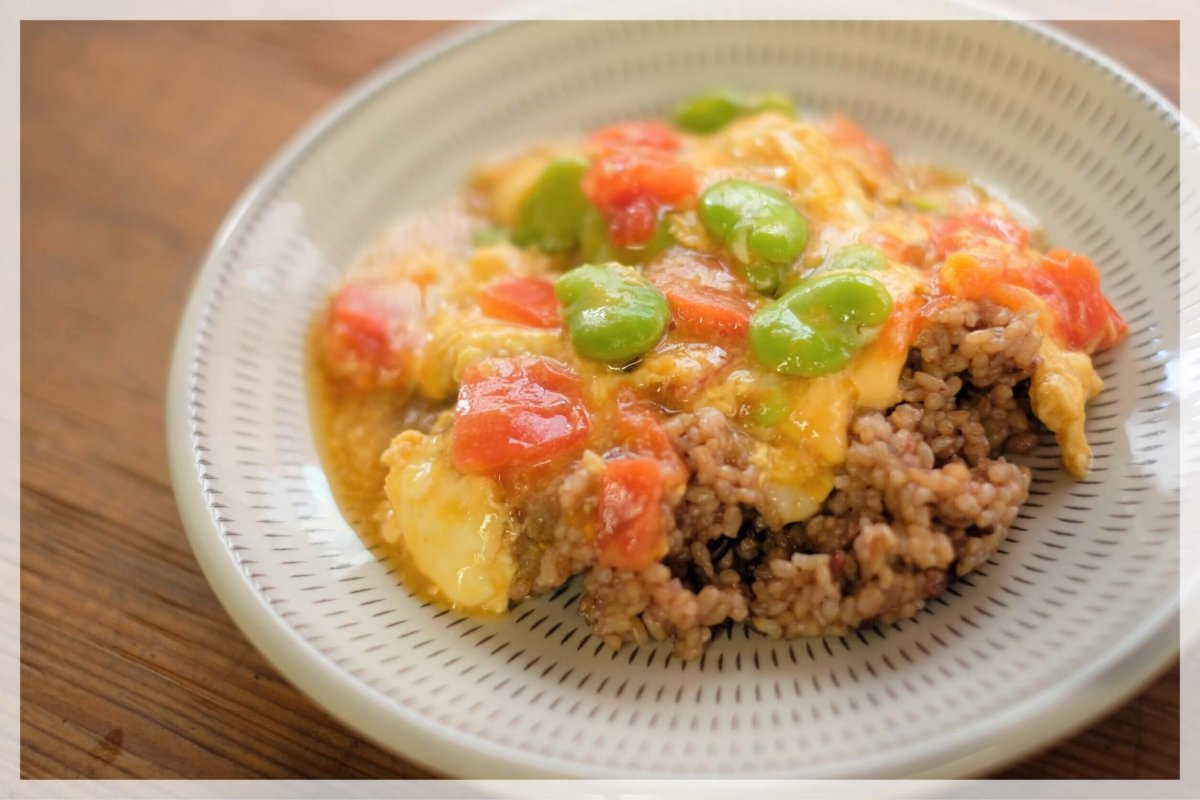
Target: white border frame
point(1158, 636)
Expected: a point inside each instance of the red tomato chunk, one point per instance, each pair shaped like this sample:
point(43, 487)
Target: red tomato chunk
point(707, 303)
point(371, 332)
point(1070, 285)
point(639, 429)
point(515, 412)
point(652, 135)
point(629, 525)
point(523, 300)
point(633, 176)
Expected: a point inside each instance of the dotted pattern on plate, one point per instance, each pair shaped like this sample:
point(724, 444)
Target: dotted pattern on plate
point(1086, 561)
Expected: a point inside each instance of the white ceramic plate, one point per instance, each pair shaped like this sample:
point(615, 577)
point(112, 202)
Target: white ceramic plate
point(1076, 611)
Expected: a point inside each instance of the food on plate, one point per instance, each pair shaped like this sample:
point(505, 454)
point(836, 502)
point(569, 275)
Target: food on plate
point(747, 367)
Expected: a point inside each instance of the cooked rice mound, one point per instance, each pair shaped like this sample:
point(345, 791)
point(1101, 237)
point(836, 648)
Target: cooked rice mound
point(925, 495)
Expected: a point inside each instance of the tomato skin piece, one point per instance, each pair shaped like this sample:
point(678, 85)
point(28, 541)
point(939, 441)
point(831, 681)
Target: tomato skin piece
point(371, 332)
point(523, 300)
point(961, 231)
point(708, 304)
point(638, 428)
point(518, 412)
point(629, 518)
point(1070, 285)
point(633, 224)
point(633, 176)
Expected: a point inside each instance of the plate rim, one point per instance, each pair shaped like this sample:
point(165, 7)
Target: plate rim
point(986, 743)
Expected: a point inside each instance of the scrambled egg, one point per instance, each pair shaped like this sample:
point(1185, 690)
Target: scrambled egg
point(798, 471)
point(1062, 385)
point(460, 339)
point(453, 529)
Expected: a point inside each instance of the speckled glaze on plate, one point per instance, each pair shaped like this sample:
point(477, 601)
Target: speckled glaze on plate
point(1076, 610)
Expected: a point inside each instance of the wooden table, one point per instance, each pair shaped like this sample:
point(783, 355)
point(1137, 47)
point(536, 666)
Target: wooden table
point(135, 140)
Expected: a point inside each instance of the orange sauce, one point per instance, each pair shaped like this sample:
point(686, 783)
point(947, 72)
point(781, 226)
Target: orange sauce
point(352, 429)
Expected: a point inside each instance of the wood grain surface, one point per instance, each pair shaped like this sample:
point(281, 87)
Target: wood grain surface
point(135, 140)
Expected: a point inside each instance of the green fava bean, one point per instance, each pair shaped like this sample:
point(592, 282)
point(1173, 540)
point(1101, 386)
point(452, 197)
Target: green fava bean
point(856, 258)
point(552, 211)
point(773, 101)
point(710, 111)
point(612, 313)
point(758, 224)
point(817, 327)
point(765, 277)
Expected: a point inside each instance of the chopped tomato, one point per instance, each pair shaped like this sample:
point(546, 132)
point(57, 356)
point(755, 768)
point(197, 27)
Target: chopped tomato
point(634, 223)
point(707, 302)
point(523, 300)
point(639, 429)
point(708, 314)
point(1070, 285)
point(517, 412)
point(1067, 283)
point(961, 231)
point(844, 132)
point(629, 187)
point(623, 135)
point(634, 174)
point(629, 524)
point(371, 333)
